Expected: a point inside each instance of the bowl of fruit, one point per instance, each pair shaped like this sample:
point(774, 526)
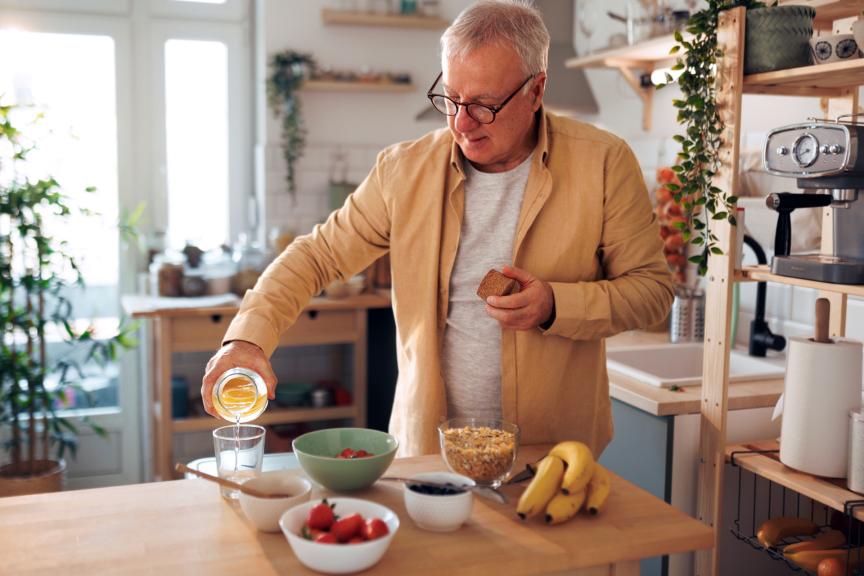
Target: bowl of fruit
point(345, 459)
point(339, 535)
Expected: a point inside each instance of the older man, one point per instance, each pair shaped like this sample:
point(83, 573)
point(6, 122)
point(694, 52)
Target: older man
point(560, 206)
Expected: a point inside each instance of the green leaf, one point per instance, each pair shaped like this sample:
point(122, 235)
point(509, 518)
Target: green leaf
point(716, 250)
point(679, 225)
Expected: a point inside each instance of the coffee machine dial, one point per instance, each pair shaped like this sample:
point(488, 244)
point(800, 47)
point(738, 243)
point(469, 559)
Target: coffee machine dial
point(805, 151)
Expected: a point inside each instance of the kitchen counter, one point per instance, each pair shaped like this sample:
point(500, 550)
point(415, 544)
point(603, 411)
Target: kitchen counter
point(666, 402)
point(184, 526)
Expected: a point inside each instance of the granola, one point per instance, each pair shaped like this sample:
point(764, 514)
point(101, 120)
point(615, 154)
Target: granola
point(483, 454)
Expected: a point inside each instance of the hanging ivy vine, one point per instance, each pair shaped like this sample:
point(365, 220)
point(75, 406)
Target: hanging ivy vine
point(288, 70)
point(699, 158)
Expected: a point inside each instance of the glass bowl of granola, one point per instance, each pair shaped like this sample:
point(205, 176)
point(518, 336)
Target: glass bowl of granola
point(481, 449)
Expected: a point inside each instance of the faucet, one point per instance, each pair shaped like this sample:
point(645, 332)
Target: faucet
point(761, 337)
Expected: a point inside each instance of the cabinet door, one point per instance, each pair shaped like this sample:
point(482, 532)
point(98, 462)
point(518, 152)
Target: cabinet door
point(641, 452)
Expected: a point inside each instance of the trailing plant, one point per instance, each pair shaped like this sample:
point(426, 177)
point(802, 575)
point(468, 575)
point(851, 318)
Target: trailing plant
point(288, 70)
point(36, 273)
point(699, 158)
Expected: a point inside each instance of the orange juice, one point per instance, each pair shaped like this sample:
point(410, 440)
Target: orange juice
point(240, 395)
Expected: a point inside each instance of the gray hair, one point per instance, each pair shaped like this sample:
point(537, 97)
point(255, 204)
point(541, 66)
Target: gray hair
point(515, 23)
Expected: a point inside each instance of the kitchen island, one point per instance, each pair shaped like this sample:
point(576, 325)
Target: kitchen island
point(185, 527)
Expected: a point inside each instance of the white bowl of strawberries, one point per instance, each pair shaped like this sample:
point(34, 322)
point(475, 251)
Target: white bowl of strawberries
point(339, 535)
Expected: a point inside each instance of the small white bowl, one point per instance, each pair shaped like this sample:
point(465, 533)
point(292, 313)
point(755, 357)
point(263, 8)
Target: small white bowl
point(339, 558)
point(834, 48)
point(439, 513)
point(264, 513)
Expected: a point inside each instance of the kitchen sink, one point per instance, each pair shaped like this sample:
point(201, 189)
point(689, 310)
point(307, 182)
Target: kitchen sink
point(667, 365)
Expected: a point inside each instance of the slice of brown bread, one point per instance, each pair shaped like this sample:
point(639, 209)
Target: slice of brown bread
point(496, 284)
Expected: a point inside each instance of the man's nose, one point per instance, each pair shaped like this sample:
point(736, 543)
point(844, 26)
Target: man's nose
point(463, 121)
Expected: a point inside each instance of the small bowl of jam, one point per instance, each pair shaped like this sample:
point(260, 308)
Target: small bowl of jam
point(441, 508)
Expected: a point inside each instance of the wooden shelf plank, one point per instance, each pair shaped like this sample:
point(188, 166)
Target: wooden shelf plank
point(831, 492)
point(346, 18)
point(270, 416)
point(645, 55)
point(820, 79)
point(337, 86)
point(763, 274)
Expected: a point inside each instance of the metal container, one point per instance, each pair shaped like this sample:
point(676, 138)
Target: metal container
point(687, 320)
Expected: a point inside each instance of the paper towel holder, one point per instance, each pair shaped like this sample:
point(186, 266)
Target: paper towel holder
point(823, 316)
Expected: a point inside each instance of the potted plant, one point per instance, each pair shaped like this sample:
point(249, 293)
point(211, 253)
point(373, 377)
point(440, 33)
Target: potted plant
point(35, 275)
point(288, 70)
point(699, 158)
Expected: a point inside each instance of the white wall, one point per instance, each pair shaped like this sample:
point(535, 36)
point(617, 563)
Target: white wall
point(360, 124)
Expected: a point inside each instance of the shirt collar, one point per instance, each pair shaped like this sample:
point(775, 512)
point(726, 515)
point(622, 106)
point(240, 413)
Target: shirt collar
point(457, 159)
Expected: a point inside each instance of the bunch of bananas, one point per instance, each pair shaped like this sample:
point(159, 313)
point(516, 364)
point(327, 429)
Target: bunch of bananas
point(823, 549)
point(566, 480)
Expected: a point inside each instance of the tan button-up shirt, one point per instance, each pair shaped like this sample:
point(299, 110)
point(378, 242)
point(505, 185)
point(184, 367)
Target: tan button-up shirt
point(585, 226)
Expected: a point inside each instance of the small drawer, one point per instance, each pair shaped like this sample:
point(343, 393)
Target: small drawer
point(205, 333)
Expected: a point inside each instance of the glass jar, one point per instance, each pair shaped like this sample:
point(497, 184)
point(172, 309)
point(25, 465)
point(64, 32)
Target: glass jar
point(251, 258)
point(166, 275)
point(240, 395)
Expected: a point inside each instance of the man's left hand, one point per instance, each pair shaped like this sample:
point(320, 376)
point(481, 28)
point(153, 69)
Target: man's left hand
point(527, 309)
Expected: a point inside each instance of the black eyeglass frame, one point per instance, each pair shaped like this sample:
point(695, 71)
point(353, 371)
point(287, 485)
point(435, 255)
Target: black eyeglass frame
point(494, 109)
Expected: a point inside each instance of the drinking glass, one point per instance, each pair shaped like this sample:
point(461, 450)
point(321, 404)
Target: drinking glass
point(239, 452)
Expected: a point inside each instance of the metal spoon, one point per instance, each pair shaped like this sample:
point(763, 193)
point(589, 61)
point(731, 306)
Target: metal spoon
point(483, 491)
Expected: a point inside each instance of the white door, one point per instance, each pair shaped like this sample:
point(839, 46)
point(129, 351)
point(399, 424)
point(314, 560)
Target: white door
point(74, 71)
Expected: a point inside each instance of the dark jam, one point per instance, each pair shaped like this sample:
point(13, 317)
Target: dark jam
point(445, 490)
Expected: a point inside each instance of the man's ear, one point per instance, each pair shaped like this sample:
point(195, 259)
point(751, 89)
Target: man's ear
point(538, 90)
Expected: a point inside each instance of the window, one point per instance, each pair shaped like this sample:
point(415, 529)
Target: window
point(196, 126)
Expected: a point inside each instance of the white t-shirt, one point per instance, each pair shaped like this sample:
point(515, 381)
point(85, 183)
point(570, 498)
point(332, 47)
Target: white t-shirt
point(471, 354)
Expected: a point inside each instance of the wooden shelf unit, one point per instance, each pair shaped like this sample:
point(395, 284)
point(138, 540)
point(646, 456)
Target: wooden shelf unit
point(839, 84)
point(323, 321)
point(354, 86)
point(830, 492)
point(631, 62)
point(346, 18)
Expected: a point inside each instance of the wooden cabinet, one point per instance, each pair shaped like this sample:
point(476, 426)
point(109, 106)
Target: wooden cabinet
point(323, 321)
point(839, 84)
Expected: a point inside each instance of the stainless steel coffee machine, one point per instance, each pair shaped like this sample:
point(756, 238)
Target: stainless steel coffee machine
point(827, 159)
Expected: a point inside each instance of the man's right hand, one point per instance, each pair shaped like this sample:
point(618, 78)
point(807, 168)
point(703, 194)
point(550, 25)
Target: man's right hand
point(236, 354)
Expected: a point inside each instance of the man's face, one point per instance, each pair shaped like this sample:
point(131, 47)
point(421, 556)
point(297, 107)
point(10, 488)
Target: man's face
point(488, 75)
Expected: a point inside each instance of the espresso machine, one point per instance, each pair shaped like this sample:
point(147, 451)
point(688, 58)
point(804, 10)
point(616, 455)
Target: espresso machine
point(827, 160)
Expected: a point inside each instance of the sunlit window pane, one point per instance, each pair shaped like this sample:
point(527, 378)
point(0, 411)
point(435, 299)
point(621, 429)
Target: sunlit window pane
point(196, 117)
point(69, 80)
point(65, 87)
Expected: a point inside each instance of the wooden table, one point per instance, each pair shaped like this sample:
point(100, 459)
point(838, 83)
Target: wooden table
point(323, 321)
point(185, 527)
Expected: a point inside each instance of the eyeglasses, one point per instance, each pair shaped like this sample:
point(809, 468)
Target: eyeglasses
point(480, 112)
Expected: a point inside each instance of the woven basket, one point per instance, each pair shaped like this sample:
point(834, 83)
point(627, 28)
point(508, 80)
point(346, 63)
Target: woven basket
point(778, 38)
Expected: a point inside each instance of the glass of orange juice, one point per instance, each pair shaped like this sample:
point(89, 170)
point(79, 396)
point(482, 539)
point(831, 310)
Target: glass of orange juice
point(240, 395)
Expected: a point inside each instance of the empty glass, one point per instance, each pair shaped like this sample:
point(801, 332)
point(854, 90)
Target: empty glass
point(239, 451)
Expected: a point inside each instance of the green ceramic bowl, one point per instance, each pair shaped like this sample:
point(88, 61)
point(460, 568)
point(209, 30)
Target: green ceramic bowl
point(316, 451)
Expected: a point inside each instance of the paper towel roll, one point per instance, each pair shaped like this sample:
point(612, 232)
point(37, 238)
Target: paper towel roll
point(823, 383)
